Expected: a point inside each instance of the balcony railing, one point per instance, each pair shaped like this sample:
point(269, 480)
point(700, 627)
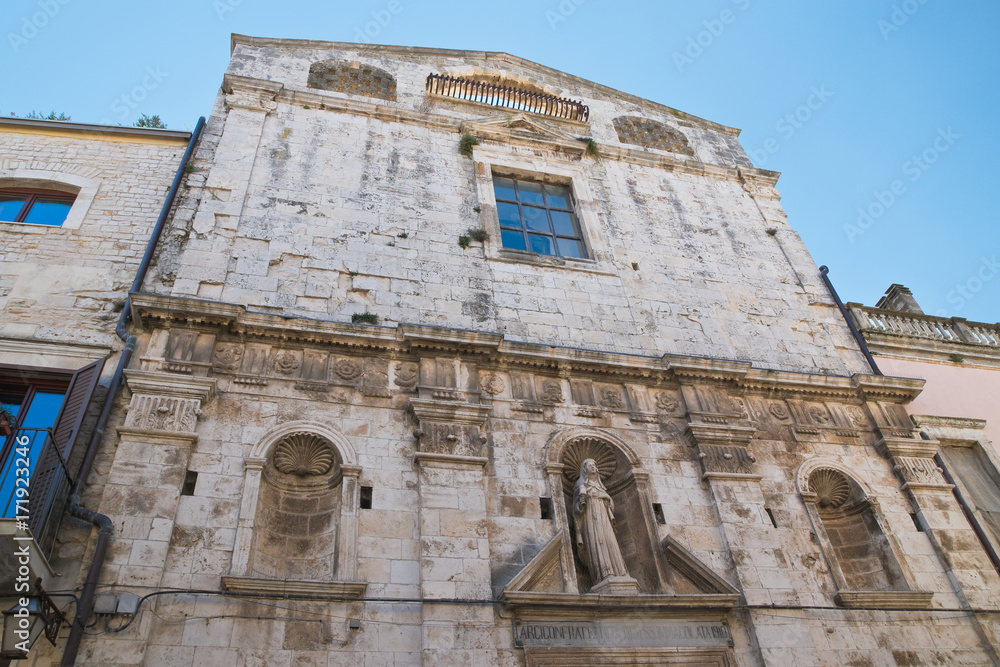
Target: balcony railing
point(952, 330)
point(34, 483)
point(506, 96)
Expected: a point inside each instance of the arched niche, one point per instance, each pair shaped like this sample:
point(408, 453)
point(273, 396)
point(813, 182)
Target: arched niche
point(650, 133)
point(298, 518)
point(628, 485)
point(851, 530)
point(352, 78)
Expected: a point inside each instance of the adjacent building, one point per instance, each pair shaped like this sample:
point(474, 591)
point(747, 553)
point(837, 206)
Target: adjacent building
point(449, 358)
point(78, 204)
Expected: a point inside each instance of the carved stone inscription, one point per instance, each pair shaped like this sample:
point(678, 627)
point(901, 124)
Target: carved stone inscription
point(633, 634)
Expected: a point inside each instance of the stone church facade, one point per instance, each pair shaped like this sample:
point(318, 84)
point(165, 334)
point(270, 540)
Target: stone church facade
point(406, 296)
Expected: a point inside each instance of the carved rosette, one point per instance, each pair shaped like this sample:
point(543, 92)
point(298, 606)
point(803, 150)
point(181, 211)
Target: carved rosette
point(406, 375)
point(552, 391)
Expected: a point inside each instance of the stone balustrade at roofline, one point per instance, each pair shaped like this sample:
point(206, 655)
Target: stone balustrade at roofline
point(904, 334)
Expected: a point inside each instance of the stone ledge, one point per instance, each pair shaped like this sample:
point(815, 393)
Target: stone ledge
point(590, 603)
point(885, 599)
point(346, 589)
point(450, 459)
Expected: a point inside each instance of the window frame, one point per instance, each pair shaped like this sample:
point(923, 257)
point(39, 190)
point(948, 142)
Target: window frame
point(32, 195)
point(546, 206)
point(71, 184)
point(501, 161)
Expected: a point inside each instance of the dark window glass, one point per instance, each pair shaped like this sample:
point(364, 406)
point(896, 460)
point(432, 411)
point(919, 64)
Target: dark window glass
point(535, 219)
point(538, 217)
point(541, 244)
point(35, 207)
point(570, 248)
point(558, 196)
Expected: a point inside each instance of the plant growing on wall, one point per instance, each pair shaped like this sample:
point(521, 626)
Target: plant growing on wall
point(364, 318)
point(466, 143)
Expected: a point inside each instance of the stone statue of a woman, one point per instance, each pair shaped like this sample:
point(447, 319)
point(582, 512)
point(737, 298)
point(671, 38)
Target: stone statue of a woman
point(593, 516)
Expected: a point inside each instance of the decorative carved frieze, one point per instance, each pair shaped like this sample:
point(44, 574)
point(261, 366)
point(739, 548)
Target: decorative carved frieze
point(407, 375)
point(723, 449)
point(164, 403)
point(918, 470)
point(450, 427)
point(552, 391)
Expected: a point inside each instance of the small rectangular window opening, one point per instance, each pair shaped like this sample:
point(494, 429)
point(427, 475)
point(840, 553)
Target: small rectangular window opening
point(658, 514)
point(366, 497)
point(916, 522)
point(770, 515)
point(190, 481)
point(546, 506)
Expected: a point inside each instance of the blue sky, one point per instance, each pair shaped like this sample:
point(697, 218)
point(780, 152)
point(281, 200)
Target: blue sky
point(880, 114)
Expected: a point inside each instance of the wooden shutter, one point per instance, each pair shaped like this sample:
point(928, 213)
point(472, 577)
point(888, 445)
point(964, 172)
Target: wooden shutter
point(49, 487)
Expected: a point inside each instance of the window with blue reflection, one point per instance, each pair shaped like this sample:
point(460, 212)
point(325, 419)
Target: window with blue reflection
point(537, 217)
point(35, 409)
point(35, 207)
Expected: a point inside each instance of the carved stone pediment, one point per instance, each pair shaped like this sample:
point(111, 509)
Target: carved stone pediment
point(540, 585)
point(504, 127)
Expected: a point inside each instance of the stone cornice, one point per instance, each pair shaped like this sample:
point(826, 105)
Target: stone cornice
point(169, 384)
point(414, 53)
point(912, 348)
point(156, 311)
point(396, 112)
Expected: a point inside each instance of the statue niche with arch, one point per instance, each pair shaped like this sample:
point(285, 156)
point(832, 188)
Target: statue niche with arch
point(298, 520)
point(606, 540)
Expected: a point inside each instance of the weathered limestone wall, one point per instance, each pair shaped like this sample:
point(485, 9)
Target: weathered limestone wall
point(320, 213)
point(69, 285)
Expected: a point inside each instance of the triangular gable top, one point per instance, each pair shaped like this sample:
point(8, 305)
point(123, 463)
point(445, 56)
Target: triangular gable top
point(521, 125)
point(540, 584)
point(579, 85)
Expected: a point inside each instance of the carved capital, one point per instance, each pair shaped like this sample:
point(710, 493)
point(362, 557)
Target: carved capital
point(166, 404)
point(450, 427)
point(253, 94)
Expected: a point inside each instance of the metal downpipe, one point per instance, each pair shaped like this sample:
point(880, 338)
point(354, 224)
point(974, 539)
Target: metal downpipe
point(823, 271)
point(75, 509)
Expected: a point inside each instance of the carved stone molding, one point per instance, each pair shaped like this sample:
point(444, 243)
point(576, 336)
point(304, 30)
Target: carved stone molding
point(450, 427)
point(919, 471)
point(723, 449)
point(165, 403)
point(253, 94)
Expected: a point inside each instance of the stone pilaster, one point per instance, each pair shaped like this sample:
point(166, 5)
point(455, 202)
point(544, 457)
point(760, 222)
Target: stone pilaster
point(941, 515)
point(149, 468)
point(454, 539)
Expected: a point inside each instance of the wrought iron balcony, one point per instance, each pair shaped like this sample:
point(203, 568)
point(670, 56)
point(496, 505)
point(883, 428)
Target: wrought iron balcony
point(506, 96)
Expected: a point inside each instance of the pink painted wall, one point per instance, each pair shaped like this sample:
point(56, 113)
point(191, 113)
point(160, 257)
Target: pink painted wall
point(952, 391)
